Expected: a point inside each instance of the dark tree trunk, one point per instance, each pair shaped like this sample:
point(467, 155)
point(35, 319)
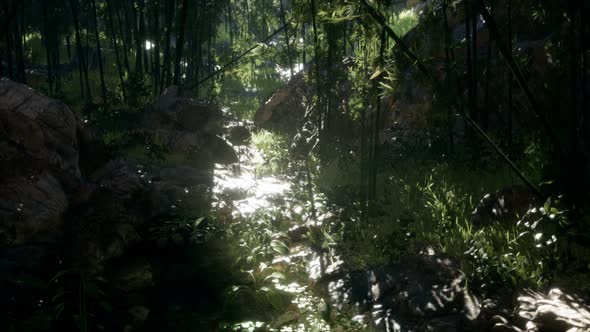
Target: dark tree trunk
point(142, 35)
point(116, 47)
point(450, 115)
point(8, 39)
point(199, 46)
point(468, 63)
point(125, 38)
point(68, 46)
point(99, 52)
point(510, 78)
point(47, 42)
point(138, 42)
point(167, 36)
point(316, 62)
point(195, 40)
point(84, 88)
point(230, 23)
point(7, 52)
point(284, 21)
point(584, 36)
point(156, 36)
point(304, 53)
point(180, 42)
point(18, 38)
point(474, 65)
point(56, 56)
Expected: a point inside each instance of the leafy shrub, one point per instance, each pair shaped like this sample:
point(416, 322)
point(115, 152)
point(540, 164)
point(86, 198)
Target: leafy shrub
point(431, 203)
point(274, 150)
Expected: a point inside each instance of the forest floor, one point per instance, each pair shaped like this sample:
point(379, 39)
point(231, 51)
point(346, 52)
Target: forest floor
point(269, 217)
point(269, 261)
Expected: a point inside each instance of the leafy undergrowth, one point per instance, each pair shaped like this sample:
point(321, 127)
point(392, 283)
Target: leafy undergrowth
point(274, 151)
point(272, 290)
point(428, 203)
point(417, 203)
point(431, 204)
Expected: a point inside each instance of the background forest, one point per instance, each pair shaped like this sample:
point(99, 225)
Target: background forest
point(294, 165)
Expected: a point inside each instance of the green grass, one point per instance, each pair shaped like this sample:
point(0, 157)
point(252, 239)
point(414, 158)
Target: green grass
point(274, 149)
point(403, 22)
point(430, 203)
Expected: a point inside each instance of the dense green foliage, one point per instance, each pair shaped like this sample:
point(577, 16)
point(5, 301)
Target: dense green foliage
point(368, 194)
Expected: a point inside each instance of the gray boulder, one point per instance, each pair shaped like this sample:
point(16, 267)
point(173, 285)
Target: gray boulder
point(423, 292)
point(554, 312)
point(188, 129)
point(38, 160)
point(29, 207)
point(36, 128)
point(173, 111)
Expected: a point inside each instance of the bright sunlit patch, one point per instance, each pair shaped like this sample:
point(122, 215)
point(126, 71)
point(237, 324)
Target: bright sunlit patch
point(285, 72)
point(260, 190)
point(249, 326)
point(293, 288)
point(149, 45)
point(245, 193)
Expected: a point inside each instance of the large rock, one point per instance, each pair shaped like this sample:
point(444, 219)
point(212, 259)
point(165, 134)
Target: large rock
point(178, 189)
point(39, 163)
point(174, 111)
point(554, 312)
point(105, 225)
point(170, 198)
point(424, 292)
point(189, 128)
point(30, 207)
point(287, 108)
point(98, 242)
point(198, 149)
point(290, 107)
point(120, 176)
point(37, 129)
point(239, 135)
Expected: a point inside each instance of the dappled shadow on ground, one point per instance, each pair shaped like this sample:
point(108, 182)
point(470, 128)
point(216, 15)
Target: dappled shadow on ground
point(420, 289)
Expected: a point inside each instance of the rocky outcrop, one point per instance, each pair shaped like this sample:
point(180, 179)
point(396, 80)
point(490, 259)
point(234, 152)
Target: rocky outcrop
point(292, 106)
point(38, 161)
point(287, 108)
point(188, 127)
point(121, 176)
point(427, 293)
point(554, 312)
point(30, 207)
point(37, 132)
point(93, 217)
point(424, 292)
point(239, 135)
point(173, 111)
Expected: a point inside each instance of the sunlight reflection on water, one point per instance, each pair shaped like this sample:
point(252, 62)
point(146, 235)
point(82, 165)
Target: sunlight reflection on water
point(258, 191)
point(241, 187)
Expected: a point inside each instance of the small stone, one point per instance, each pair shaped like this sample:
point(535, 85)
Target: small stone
point(139, 313)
